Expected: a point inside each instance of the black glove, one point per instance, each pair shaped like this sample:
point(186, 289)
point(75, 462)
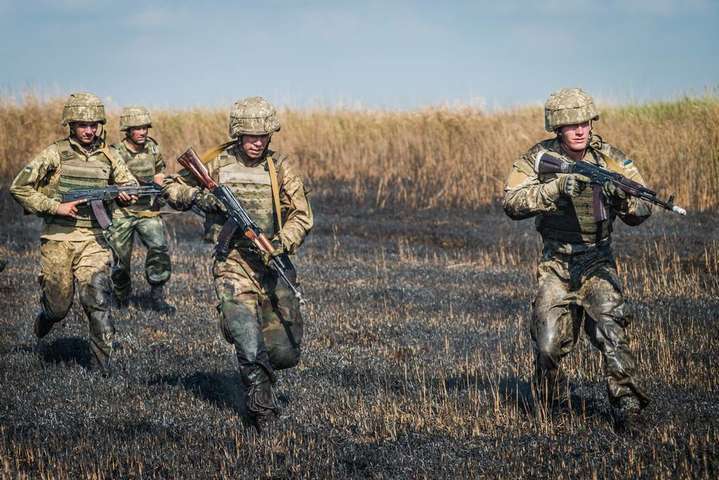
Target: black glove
point(208, 203)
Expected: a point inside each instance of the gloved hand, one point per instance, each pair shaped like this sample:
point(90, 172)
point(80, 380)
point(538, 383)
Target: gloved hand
point(267, 257)
point(614, 195)
point(572, 184)
point(207, 202)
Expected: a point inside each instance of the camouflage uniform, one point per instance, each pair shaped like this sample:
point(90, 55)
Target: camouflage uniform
point(142, 217)
point(259, 314)
point(73, 250)
point(577, 275)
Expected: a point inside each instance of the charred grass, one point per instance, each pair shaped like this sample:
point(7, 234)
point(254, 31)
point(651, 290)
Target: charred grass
point(416, 362)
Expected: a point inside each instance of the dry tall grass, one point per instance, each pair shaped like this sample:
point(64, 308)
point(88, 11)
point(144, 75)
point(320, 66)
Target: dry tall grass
point(434, 157)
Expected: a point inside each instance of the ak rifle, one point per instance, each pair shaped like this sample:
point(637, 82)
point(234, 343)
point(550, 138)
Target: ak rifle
point(97, 196)
point(237, 218)
point(552, 163)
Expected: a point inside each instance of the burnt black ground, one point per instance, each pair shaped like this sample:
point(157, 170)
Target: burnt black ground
point(416, 362)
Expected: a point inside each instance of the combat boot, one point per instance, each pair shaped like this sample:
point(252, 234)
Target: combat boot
point(157, 300)
point(627, 415)
point(120, 301)
point(261, 401)
point(42, 325)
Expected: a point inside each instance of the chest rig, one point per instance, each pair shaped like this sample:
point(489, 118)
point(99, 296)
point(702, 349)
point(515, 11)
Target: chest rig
point(253, 187)
point(142, 166)
point(573, 220)
point(77, 171)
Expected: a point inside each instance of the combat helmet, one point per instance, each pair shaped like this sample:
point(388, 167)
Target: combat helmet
point(253, 116)
point(134, 116)
point(568, 106)
point(83, 107)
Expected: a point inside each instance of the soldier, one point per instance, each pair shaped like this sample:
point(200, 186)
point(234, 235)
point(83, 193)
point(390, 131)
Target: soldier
point(259, 314)
point(72, 247)
point(142, 156)
point(577, 275)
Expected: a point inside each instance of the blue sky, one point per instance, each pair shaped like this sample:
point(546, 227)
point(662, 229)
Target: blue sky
point(398, 55)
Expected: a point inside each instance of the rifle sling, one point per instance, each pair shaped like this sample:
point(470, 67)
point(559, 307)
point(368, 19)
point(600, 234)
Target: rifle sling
point(215, 151)
point(275, 191)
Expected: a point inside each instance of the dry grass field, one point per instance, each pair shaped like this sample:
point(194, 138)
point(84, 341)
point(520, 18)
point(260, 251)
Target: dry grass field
point(417, 356)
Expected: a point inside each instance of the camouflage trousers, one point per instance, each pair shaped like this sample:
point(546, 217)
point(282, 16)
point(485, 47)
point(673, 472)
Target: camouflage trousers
point(575, 288)
point(258, 314)
point(87, 264)
point(151, 231)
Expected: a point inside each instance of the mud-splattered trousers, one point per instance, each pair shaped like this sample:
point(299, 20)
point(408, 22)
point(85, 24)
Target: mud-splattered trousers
point(85, 264)
point(578, 289)
point(259, 314)
point(73, 250)
point(151, 231)
point(577, 276)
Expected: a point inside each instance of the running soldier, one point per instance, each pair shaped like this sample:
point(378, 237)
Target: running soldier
point(142, 156)
point(259, 313)
point(73, 249)
point(577, 275)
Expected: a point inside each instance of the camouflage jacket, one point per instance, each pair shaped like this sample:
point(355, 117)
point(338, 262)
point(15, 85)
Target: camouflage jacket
point(144, 165)
point(296, 212)
point(35, 187)
point(567, 225)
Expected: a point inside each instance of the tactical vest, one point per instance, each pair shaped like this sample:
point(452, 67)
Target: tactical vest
point(573, 220)
point(142, 166)
point(252, 187)
point(78, 171)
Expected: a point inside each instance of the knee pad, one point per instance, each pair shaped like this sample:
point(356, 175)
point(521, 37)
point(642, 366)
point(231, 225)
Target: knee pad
point(283, 351)
point(236, 313)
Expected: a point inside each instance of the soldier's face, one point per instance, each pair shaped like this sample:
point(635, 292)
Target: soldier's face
point(138, 135)
point(85, 132)
point(576, 137)
point(254, 145)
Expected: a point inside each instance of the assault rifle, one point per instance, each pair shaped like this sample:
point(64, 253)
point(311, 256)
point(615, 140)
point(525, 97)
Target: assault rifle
point(552, 163)
point(237, 217)
point(97, 196)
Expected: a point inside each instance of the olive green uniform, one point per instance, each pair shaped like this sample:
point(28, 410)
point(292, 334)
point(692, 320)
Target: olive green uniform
point(577, 273)
point(259, 314)
point(73, 250)
point(141, 218)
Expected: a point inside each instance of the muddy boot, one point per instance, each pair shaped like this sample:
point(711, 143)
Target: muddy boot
point(120, 301)
point(158, 302)
point(261, 401)
point(42, 326)
point(627, 415)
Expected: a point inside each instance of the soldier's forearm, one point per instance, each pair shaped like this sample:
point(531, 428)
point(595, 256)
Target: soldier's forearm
point(179, 196)
point(294, 231)
point(530, 201)
point(636, 213)
point(33, 201)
